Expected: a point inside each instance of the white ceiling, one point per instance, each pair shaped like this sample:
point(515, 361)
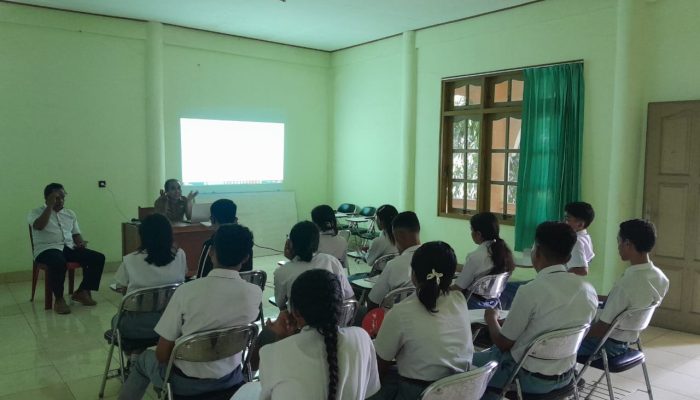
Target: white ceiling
point(318, 24)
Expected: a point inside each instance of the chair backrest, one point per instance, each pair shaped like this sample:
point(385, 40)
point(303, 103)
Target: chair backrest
point(31, 239)
point(345, 234)
point(347, 208)
point(466, 385)
point(203, 256)
point(635, 319)
point(380, 262)
point(348, 312)
point(396, 296)
point(489, 286)
point(256, 277)
point(213, 345)
point(153, 299)
point(145, 212)
point(368, 212)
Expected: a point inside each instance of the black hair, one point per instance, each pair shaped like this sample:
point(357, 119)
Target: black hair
point(641, 233)
point(51, 187)
point(232, 243)
point(169, 181)
point(386, 214)
point(486, 223)
point(582, 211)
point(433, 257)
point(324, 217)
point(555, 240)
point(156, 235)
point(223, 211)
point(317, 296)
point(406, 220)
point(304, 237)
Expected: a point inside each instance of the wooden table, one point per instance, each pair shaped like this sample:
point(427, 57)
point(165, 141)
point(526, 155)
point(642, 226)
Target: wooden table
point(188, 237)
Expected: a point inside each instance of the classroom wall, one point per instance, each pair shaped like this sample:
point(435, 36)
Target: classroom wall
point(73, 109)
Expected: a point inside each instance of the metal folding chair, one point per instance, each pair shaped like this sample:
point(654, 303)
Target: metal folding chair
point(348, 312)
point(555, 345)
point(256, 277)
point(211, 346)
point(489, 286)
point(148, 300)
point(466, 385)
point(630, 320)
point(396, 296)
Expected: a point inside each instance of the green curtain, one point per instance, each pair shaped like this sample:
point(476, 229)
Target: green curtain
point(550, 147)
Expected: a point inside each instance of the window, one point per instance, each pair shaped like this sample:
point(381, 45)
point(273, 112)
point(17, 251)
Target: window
point(480, 145)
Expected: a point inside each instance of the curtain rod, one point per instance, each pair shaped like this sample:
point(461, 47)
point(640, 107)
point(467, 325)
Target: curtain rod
point(505, 71)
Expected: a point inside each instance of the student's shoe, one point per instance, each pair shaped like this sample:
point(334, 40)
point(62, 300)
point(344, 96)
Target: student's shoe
point(60, 306)
point(83, 297)
point(581, 383)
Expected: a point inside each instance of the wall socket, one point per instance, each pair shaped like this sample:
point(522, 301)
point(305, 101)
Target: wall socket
point(102, 184)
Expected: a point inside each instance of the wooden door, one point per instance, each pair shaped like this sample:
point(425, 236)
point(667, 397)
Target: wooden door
point(672, 202)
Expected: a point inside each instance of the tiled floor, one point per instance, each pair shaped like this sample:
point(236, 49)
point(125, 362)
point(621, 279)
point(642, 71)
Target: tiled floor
point(49, 356)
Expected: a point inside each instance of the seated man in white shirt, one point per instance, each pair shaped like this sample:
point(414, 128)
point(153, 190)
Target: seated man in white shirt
point(221, 299)
point(554, 300)
point(640, 286)
point(57, 241)
point(397, 272)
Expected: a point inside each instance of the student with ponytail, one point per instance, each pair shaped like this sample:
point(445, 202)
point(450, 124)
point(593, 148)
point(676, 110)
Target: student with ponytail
point(492, 257)
point(428, 333)
point(384, 244)
point(301, 249)
point(311, 342)
point(329, 241)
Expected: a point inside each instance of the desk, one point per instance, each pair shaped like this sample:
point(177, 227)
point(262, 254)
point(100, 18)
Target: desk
point(188, 237)
point(477, 316)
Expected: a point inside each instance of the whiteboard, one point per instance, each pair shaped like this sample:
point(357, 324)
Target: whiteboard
point(270, 215)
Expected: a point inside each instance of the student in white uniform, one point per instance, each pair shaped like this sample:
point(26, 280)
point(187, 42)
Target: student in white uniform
point(492, 257)
point(301, 249)
point(314, 358)
point(384, 243)
point(330, 242)
point(641, 285)
point(156, 263)
point(397, 272)
point(219, 300)
point(579, 215)
point(429, 332)
point(554, 300)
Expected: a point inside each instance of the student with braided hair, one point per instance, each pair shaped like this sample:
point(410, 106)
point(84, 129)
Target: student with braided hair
point(428, 333)
point(314, 358)
point(329, 241)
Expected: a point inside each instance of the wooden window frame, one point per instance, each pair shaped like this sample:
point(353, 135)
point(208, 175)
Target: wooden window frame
point(485, 113)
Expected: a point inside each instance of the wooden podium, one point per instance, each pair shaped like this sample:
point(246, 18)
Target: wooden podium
point(188, 237)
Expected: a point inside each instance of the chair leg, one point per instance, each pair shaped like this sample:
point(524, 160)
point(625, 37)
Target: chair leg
point(519, 390)
point(48, 293)
point(576, 391)
point(35, 279)
point(71, 280)
point(607, 375)
point(646, 380)
point(109, 363)
point(121, 356)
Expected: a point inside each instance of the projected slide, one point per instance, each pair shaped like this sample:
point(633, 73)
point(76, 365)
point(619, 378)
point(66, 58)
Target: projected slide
point(231, 152)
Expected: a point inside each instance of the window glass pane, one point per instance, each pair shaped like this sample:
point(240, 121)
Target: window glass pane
point(458, 195)
point(471, 196)
point(458, 166)
point(510, 199)
point(473, 134)
point(498, 167)
point(496, 199)
point(473, 166)
point(516, 90)
point(459, 97)
point(459, 133)
point(474, 95)
point(500, 92)
point(513, 164)
point(498, 133)
point(514, 132)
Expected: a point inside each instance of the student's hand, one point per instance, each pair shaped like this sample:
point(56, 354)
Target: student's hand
point(192, 195)
point(81, 244)
point(491, 314)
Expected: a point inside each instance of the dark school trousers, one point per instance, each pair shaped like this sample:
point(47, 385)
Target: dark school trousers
point(91, 261)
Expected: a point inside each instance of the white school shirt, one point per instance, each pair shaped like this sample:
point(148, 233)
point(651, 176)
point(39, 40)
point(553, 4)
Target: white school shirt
point(135, 273)
point(285, 275)
point(478, 264)
point(582, 253)
point(57, 233)
point(553, 300)
point(334, 245)
point(639, 287)
point(427, 346)
point(222, 299)
point(396, 274)
point(296, 367)
point(379, 247)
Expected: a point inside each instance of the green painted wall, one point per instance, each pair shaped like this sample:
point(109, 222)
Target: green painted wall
point(72, 110)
